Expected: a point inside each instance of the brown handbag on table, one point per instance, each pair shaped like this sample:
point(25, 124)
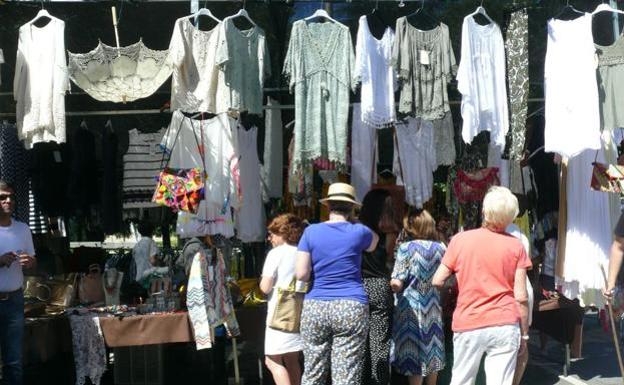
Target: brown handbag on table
point(287, 313)
point(90, 289)
point(63, 290)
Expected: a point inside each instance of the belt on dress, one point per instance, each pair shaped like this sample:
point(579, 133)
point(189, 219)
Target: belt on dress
point(7, 294)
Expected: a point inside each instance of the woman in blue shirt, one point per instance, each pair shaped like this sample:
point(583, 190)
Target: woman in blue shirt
point(334, 320)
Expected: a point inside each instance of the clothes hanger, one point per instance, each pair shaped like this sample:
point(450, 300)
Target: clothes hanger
point(423, 12)
point(42, 13)
point(203, 12)
point(109, 125)
point(241, 13)
point(375, 21)
point(604, 7)
point(321, 12)
point(566, 8)
point(481, 11)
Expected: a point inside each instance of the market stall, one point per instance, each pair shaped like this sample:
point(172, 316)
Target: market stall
point(136, 187)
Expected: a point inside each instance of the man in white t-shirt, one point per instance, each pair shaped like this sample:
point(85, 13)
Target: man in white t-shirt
point(145, 252)
point(16, 252)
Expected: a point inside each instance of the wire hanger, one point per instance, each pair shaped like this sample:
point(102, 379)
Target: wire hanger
point(421, 11)
point(567, 7)
point(42, 13)
point(480, 10)
point(604, 7)
point(376, 6)
point(321, 12)
point(241, 13)
point(203, 12)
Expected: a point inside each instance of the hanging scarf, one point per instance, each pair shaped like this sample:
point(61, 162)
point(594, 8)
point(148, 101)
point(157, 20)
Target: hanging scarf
point(208, 299)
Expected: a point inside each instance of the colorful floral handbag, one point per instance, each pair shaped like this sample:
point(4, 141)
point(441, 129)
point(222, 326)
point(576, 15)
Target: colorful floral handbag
point(472, 186)
point(607, 178)
point(181, 189)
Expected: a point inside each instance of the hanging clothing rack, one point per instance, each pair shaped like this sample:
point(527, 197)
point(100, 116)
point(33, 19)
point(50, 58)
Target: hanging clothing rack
point(157, 111)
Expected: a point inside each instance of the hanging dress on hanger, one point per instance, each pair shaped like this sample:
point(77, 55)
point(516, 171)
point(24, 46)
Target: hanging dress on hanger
point(415, 160)
point(611, 83)
point(363, 154)
point(318, 68)
point(192, 54)
point(218, 140)
point(570, 89)
point(517, 48)
point(243, 64)
point(482, 82)
point(425, 63)
point(40, 83)
point(250, 219)
point(589, 232)
point(125, 74)
point(374, 69)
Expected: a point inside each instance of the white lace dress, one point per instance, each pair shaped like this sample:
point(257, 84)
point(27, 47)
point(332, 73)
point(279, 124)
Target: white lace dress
point(119, 75)
point(481, 79)
point(40, 83)
point(192, 54)
point(374, 69)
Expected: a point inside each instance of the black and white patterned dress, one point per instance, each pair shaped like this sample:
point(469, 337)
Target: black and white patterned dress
point(14, 168)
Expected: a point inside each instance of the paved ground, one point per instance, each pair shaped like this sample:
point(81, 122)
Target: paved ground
point(598, 366)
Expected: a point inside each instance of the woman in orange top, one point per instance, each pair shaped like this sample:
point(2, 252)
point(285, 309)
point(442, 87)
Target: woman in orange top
point(491, 314)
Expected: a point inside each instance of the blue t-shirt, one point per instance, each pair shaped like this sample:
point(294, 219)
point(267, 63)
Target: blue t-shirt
point(336, 252)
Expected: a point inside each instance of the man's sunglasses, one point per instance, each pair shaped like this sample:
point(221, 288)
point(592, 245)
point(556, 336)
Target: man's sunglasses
point(4, 197)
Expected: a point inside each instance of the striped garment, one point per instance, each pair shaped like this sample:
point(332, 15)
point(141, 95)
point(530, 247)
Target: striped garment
point(418, 335)
point(142, 165)
point(208, 298)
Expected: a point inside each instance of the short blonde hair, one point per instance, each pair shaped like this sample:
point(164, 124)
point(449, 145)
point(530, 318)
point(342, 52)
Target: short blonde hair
point(500, 208)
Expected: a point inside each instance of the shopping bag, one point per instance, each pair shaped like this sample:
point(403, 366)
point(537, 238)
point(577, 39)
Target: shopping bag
point(287, 314)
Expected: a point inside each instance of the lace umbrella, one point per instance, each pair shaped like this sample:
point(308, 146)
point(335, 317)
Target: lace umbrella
point(124, 74)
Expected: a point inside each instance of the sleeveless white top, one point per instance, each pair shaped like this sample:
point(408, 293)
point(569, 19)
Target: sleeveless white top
point(374, 69)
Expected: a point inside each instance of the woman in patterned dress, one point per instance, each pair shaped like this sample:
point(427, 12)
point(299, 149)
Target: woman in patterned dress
point(418, 335)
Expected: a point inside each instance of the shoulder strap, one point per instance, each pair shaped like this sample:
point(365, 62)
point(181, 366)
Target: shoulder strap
point(170, 150)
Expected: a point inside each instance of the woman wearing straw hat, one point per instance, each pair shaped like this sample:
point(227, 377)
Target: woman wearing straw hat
point(334, 320)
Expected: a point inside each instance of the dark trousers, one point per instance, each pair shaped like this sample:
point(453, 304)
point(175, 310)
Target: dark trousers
point(376, 368)
point(11, 336)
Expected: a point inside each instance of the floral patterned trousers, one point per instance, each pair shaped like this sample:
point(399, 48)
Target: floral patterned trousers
point(334, 336)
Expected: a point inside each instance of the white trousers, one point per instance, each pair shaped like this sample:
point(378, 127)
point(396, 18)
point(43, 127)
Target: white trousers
point(500, 345)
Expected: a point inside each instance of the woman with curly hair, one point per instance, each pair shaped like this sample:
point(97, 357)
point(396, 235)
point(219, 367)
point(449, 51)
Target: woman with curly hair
point(282, 349)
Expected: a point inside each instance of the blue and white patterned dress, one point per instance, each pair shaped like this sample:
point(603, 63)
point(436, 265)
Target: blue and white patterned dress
point(417, 331)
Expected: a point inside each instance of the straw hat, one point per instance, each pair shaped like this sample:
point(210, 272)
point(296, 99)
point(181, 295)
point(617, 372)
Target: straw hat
point(341, 192)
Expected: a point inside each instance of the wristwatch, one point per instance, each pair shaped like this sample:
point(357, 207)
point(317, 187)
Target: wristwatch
point(525, 337)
